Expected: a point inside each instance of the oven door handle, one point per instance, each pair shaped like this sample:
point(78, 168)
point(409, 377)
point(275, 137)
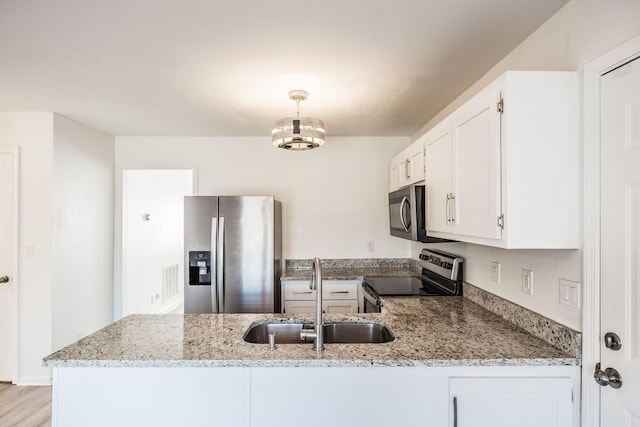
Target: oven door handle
point(436, 284)
point(367, 292)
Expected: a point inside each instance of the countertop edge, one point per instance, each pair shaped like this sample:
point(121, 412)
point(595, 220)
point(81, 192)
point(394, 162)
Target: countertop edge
point(307, 363)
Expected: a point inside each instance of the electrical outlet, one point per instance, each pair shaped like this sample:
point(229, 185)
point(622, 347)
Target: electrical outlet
point(495, 272)
point(570, 293)
point(527, 281)
point(371, 246)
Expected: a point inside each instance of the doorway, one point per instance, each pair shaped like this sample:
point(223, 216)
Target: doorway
point(612, 238)
point(152, 239)
point(9, 188)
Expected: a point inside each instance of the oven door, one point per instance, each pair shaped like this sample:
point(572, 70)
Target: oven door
point(372, 303)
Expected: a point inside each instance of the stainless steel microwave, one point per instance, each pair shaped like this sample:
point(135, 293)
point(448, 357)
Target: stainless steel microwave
point(407, 214)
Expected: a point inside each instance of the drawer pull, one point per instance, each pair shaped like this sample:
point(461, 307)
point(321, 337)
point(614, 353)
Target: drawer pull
point(301, 293)
point(339, 292)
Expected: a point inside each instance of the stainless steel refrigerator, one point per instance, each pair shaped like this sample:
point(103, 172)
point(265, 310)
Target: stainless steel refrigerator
point(233, 255)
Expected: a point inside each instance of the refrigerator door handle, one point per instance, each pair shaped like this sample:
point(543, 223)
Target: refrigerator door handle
point(220, 266)
point(214, 265)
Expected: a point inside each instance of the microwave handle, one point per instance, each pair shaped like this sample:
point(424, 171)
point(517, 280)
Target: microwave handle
point(405, 200)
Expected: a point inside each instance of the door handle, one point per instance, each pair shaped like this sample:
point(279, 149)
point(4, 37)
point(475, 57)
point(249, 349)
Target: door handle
point(220, 272)
point(405, 201)
point(608, 377)
point(214, 265)
point(4, 279)
point(612, 341)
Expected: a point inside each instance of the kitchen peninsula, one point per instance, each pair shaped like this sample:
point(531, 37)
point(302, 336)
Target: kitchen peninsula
point(197, 370)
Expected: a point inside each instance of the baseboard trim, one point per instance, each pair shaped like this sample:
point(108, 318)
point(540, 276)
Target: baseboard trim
point(33, 381)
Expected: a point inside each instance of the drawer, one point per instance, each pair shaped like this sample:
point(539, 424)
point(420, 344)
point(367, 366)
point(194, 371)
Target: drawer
point(298, 291)
point(332, 290)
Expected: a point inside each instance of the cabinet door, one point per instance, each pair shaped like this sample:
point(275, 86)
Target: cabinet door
point(293, 307)
point(346, 397)
point(509, 402)
point(476, 163)
point(411, 164)
point(340, 306)
point(394, 174)
point(438, 176)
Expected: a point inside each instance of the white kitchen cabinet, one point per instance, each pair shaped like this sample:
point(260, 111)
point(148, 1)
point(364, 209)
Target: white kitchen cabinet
point(511, 401)
point(503, 170)
point(439, 176)
point(159, 397)
point(338, 296)
point(486, 396)
point(411, 164)
point(345, 397)
point(394, 174)
point(416, 397)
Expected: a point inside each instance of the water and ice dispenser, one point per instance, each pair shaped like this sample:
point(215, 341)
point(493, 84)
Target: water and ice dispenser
point(200, 268)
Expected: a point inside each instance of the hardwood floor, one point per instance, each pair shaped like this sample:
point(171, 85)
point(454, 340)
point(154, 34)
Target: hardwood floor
point(25, 406)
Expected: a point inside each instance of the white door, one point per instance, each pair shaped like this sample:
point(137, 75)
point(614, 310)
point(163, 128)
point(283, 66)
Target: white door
point(8, 263)
point(620, 241)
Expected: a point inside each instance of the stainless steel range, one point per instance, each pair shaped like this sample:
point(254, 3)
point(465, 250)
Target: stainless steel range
point(441, 275)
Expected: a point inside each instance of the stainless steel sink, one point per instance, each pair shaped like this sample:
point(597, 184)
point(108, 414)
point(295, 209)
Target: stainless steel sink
point(334, 333)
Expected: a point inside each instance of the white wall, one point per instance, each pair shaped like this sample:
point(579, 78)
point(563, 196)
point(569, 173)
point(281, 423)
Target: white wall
point(33, 133)
point(334, 198)
point(65, 236)
point(83, 186)
point(577, 34)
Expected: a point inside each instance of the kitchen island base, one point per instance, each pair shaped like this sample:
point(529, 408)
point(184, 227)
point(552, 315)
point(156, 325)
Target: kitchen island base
point(490, 396)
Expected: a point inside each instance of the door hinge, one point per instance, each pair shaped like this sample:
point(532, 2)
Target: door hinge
point(501, 221)
point(501, 106)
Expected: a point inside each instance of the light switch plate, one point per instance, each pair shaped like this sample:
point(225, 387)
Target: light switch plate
point(570, 293)
point(527, 281)
point(495, 272)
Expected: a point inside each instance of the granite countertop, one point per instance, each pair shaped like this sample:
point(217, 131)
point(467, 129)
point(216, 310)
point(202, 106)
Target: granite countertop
point(429, 331)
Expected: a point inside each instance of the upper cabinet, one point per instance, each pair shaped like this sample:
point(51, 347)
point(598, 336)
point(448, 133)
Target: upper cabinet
point(411, 164)
point(503, 169)
point(407, 167)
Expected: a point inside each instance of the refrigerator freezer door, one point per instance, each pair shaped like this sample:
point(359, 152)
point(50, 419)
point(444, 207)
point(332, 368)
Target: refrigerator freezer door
point(200, 231)
point(248, 270)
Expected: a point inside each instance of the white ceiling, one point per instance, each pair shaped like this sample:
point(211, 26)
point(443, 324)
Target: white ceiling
point(224, 68)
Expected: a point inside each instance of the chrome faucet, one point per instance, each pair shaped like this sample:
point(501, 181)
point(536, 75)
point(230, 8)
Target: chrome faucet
point(317, 334)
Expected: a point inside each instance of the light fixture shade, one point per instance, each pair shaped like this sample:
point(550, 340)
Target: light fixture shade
point(298, 133)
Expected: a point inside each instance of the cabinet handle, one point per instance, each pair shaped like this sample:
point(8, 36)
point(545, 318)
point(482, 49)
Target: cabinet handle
point(455, 411)
point(447, 210)
point(452, 209)
point(302, 293)
point(339, 292)
point(408, 168)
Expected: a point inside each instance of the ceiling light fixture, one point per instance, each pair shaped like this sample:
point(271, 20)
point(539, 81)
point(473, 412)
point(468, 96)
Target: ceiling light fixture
point(298, 133)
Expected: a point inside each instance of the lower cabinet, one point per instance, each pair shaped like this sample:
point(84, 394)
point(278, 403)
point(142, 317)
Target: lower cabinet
point(416, 397)
point(338, 296)
point(543, 396)
point(511, 401)
point(158, 397)
point(347, 397)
